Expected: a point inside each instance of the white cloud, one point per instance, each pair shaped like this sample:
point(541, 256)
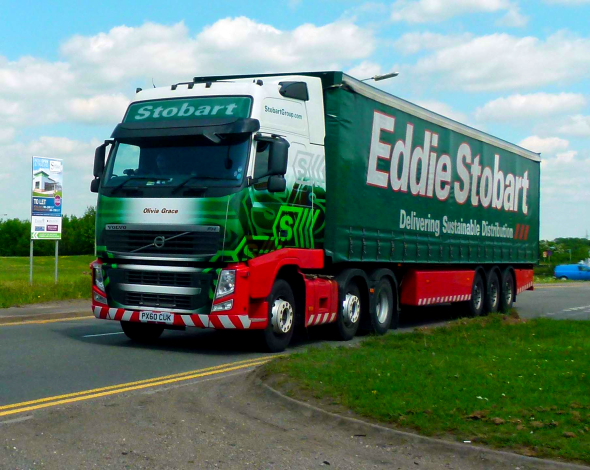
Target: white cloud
point(503, 62)
point(424, 11)
point(567, 157)
point(411, 43)
point(513, 18)
point(169, 53)
point(546, 146)
point(535, 105)
point(99, 109)
point(443, 109)
point(564, 195)
point(577, 125)
point(34, 78)
point(7, 134)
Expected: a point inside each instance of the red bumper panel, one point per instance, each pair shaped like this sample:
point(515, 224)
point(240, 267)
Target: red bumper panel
point(435, 287)
point(524, 280)
point(322, 301)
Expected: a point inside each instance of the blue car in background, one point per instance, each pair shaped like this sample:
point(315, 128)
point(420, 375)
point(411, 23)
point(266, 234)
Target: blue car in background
point(575, 272)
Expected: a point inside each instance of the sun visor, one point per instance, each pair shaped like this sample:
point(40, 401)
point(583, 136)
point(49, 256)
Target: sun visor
point(188, 127)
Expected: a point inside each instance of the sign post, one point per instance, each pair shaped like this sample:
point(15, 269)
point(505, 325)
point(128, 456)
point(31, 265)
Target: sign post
point(46, 205)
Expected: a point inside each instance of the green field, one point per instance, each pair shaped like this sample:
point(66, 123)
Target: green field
point(74, 279)
point(498, 381)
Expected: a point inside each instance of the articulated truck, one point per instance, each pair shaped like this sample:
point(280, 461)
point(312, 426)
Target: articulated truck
point(274, 202)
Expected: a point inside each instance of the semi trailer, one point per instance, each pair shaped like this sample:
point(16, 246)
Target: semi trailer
point(273, 202)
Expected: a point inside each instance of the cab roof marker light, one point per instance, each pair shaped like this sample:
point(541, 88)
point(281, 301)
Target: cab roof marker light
point(190, 85)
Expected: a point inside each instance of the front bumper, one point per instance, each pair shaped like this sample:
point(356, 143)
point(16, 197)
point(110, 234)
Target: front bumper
point(244, 314)
point(217, 321)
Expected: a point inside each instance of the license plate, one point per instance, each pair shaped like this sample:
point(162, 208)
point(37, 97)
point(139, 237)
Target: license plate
point(161, 317)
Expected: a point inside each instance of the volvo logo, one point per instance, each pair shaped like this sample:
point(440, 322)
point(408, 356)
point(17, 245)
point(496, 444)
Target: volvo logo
point(159, 241)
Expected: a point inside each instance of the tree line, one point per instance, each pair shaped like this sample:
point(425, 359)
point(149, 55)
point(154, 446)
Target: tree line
point(77, 237)
point(564, 251)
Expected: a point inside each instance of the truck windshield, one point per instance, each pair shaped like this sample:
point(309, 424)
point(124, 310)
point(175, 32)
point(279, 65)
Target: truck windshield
point(178, 163)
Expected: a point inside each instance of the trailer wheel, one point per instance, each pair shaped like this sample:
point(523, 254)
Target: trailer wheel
point(281, 317)
point(492, 298)
point(381, 314)
point(507, 292)
point(474, 307)
point(349, 312)
point(142, 332)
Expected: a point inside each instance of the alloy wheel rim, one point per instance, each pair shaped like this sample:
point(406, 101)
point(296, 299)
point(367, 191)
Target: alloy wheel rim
point(281, 316)
point(382, 307)
point(477, 296)
point(352, 309)
point(508, 291)
point(494, 294)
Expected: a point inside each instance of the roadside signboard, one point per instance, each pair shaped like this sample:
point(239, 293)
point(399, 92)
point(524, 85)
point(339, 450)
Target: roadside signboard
point(46, 199)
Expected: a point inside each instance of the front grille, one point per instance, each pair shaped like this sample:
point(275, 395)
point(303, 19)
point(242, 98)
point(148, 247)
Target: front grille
point(142, 299)
point(150, 278)
point(184, 290)
point(200, 243)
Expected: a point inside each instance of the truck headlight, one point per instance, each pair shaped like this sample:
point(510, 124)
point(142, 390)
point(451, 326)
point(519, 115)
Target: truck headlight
point(100, 298)
point(98, 278)
point(223, 306)
point(226, 284)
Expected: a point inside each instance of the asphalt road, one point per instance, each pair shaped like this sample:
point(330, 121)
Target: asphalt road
point(42, 360)
point(569, 301)
point(45, 360)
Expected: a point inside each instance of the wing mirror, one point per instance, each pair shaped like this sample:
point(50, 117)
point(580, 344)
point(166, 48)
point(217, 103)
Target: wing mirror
point(99, 162)
point(276, 184)
point(278, 157)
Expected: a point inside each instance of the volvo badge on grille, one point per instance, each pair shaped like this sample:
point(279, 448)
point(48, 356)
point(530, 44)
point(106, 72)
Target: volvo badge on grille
point(159, 241)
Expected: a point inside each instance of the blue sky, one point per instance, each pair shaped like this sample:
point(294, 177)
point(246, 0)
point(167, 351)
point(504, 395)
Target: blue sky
point(516, 69)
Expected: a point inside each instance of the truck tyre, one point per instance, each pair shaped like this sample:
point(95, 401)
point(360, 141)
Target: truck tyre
point(349, 312)
point(142, 332)
point(281, 317)
point(492, 298)
point(507, 292)
point(381, 315)
point(474, 307)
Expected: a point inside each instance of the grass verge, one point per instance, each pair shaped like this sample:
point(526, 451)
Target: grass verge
point(75, 281)
point(498, 380)
point(551, 280)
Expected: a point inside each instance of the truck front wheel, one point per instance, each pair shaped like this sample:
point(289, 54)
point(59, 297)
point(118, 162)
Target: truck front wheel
point(281, 317)
point(142, 332)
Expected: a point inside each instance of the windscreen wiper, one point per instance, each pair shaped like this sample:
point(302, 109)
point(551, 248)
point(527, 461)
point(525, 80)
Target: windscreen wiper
point(119, 186)
point(187, 180)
